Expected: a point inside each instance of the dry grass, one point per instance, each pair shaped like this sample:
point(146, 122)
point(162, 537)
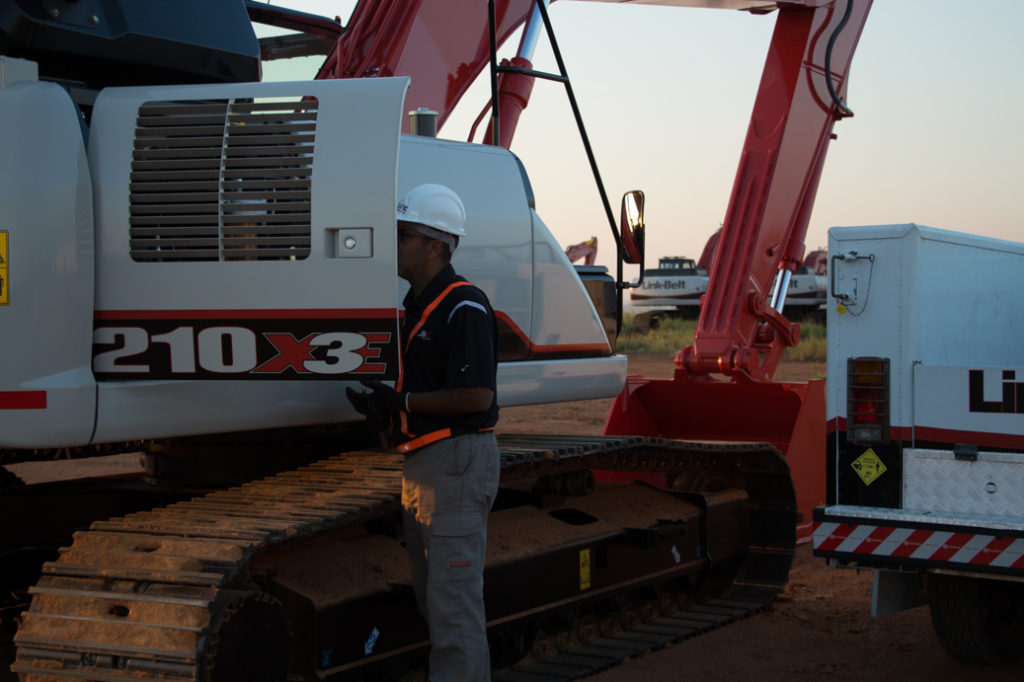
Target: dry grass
point(672, 335)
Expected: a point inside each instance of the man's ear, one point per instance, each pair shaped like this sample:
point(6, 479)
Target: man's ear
point(436, 248)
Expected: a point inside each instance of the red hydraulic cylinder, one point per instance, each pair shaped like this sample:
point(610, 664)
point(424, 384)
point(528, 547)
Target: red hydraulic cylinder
point(514, 90)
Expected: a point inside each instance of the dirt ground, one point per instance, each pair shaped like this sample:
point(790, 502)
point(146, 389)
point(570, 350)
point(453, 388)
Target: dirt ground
point(820, 628)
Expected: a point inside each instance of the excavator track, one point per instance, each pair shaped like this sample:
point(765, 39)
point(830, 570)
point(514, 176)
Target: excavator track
point(578, 653)
point(168, 594)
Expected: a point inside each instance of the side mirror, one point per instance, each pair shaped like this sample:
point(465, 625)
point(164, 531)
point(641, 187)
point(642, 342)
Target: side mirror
point(631, 227)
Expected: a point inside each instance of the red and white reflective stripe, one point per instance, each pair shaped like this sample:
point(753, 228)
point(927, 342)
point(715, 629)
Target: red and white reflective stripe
point(974, 549)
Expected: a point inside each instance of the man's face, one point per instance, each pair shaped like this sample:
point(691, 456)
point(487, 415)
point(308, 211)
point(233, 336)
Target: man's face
point(412, 252)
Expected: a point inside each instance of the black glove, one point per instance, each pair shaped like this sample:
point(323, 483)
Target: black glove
point(375, 418)
point(360, 401)
point(381, 397)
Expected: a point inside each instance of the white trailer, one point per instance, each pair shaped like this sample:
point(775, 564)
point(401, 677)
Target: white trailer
point(925, 446)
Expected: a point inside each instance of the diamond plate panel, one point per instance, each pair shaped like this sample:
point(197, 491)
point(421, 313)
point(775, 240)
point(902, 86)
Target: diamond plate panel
point(936, 482)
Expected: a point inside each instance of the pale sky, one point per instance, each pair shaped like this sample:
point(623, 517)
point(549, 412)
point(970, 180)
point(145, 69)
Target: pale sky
point(666, 95)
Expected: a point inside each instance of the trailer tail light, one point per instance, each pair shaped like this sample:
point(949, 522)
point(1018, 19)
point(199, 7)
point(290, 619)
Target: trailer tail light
point(867, 400)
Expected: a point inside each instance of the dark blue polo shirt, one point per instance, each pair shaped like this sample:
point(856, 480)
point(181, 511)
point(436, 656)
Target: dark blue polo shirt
point(456, 346)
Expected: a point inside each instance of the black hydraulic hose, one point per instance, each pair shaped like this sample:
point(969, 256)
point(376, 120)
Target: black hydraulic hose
point(846, 111)
point(492, 34)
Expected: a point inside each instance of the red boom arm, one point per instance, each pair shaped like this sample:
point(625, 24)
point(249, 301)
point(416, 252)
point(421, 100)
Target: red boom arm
point(442, 46)
point(764, 229)
point(774, 191)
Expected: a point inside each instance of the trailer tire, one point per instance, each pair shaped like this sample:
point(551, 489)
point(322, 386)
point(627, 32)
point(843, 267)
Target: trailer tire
point(978, 620)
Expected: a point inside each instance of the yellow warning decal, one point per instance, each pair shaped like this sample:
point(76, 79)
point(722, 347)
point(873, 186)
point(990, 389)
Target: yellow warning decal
point(584, 569)
point(868, 466)
point(5, 277)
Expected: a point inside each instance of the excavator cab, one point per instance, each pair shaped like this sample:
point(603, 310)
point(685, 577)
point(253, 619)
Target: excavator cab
point(90, 44)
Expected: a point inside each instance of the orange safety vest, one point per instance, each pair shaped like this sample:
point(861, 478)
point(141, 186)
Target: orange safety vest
point(418, 441)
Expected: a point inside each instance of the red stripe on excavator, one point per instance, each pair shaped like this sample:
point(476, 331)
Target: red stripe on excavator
point(235, 314)
point(22, 400)
point(562, 349)
point(537, 350)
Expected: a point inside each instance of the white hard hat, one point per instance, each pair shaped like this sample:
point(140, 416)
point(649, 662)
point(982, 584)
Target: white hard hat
point(435, 206)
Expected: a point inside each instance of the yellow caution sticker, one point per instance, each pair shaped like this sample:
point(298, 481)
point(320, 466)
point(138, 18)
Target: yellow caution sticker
point(584, 569)
point(868, 466)
point(841, 309)
point(5, 277)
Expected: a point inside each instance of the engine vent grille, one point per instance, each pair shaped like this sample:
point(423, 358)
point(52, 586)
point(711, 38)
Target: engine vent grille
point(220, 180)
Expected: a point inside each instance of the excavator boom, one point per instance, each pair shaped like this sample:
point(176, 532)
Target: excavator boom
point(774, 190)
point(739, 335)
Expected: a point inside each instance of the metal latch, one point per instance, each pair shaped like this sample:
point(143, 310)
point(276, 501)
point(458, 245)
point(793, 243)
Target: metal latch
point(349, 242)
point(965, 453)
point(850, 280)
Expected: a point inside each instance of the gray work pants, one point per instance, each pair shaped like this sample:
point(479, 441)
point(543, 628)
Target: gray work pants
point(447, 491)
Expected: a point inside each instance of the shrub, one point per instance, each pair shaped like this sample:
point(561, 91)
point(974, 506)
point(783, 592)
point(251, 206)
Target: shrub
point(667, 338)
point(672, 335)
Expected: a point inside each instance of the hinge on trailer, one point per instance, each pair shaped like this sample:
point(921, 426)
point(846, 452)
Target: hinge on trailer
point(965, 453)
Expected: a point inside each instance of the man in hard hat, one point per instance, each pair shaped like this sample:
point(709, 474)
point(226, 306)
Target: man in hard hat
point(443, 411)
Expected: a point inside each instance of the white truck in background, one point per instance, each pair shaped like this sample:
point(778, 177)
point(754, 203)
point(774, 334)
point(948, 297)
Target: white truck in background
point(675, 288)
point(925, 445)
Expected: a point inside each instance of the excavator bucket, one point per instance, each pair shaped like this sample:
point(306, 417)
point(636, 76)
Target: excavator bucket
point(789, 416)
